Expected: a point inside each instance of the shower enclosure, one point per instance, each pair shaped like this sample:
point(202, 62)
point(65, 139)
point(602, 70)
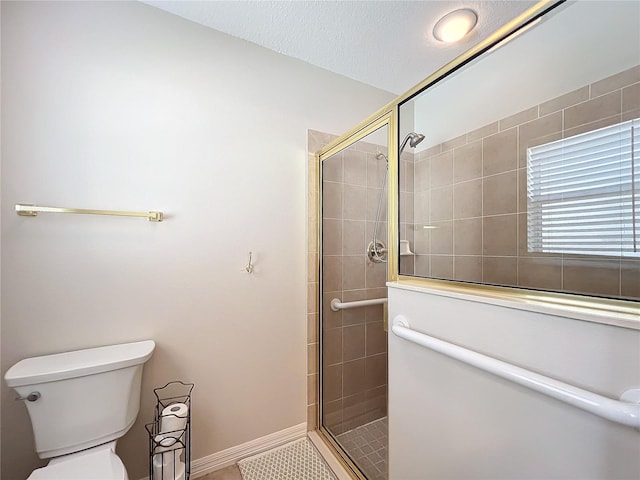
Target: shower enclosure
point(353, 337)
point(354, 264)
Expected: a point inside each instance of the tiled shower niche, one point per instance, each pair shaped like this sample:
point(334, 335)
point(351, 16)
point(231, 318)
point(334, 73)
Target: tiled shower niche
point(466, 218)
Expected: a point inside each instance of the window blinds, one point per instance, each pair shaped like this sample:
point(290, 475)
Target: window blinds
point(583, 193)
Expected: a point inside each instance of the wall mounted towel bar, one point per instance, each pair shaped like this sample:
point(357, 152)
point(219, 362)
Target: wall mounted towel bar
point(33, 210)
point(625, 411)
point(336, 304)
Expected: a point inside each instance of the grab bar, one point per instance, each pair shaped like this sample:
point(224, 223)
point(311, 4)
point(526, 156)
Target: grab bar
point(32, 211)
point(336, 304)
point(626, 411)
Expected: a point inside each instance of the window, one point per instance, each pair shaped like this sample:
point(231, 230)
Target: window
point(583, 193)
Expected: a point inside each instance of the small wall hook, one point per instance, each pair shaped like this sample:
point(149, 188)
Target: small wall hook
point(249, 267)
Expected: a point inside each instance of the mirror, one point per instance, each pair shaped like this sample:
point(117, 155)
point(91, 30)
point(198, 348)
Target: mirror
point(529, 173)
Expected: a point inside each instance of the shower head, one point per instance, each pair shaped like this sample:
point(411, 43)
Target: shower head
point(382, 156)
point(413, 139)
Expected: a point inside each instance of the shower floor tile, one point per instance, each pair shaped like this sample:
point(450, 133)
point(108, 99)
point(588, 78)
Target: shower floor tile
point(367, 446)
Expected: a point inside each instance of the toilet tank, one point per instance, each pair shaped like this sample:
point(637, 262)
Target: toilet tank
point(86, 397)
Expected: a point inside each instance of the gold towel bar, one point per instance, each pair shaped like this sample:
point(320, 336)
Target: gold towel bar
point(32, 211)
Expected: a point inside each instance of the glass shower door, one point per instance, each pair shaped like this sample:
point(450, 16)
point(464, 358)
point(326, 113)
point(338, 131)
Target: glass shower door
point(353, 345)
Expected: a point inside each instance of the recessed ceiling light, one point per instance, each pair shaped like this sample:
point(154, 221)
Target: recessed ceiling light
point(455, 25)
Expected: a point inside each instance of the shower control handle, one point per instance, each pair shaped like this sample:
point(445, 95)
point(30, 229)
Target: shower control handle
point(32, 397)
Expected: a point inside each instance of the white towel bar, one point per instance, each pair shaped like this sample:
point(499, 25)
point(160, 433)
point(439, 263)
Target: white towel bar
point(625, 411)
point(336, 304)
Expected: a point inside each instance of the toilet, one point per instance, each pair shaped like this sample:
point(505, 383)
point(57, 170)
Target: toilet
point(80, 403)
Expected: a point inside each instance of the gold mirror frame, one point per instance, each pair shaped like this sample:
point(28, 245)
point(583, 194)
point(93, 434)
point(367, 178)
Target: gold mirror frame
point(625, 313)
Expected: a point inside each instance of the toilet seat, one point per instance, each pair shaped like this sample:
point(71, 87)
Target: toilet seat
point(98, 463)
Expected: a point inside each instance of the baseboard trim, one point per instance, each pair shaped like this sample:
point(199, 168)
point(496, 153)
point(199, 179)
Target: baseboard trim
point(224, 458)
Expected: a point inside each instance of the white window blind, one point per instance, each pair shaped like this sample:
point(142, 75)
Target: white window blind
point(583, 193)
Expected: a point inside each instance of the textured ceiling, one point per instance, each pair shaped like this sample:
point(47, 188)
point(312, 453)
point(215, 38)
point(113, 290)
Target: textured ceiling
point(386, 44)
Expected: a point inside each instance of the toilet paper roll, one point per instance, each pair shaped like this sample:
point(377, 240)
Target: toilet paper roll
point(174, 417)
point(168, 466)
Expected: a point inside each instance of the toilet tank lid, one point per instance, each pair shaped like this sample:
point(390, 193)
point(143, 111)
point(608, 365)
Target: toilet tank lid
point(78, 363)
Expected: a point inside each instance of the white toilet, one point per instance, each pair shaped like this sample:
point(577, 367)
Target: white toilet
point(80, 404)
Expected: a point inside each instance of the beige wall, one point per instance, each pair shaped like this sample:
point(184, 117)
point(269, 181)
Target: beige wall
point(473, 190)
point(119, 105)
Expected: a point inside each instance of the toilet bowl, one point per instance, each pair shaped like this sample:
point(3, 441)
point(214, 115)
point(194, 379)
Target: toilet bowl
point(80, 403)
point(97, 463)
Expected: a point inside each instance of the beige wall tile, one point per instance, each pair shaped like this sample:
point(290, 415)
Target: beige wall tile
point(467, 268)
point(353, 344)
point(353, 377)
point(596, 276)
point(312, 298)
point(355, 202)
point(354, 410)
point(374, 313)
point(373, 197)
point(441, 203)
point(375, 371)
point(407, 265)
point(332, 383)
point(376, 275)
point(442, 266)
point(353, 272)
point(454, 143)
point(467, 162)
point(406, 207)
point(522, 190)
point(375, 170)
point(615, 82)
point(421, 179)
point(353, 316)
point(530, 133)
point(312, 358)
point(442, 238)
point(630, 115)
point(332, 273)
point(312, 388)
point(376, 338)
point(630, 278)
point(596, 109)
point(520, 117)
point(588, 127)
point(421, 207)
point(332, 338)
point(422, 265)
point(500, 270)
point(535, 272)
point(421, 240)
point(332, 237)
point(467, 239)
point(312, 267)
point(467, 199)
point(381, 235)
point(355, 167)
point(332, 168)
point(331, 200)
point(564, 101)
point(500, 235)
point(312, 328)
point(331, 319)
point(442, 169)
point(482, 132)
point(312, 417)
point(376, 399)
point(354, 242)
point(499, 152)
point(500, 193)
point(430, 152)
point(526, 143)
point(332, 413)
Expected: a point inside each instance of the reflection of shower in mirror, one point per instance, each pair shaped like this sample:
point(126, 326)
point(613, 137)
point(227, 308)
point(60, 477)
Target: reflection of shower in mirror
point(376, 250)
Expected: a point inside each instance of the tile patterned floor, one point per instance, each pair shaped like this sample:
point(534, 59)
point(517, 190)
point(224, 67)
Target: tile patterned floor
point(367, 446)
point(297, 460)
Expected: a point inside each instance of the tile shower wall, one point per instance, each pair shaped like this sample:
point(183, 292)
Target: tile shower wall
point(355, 352)
point(470, 205)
